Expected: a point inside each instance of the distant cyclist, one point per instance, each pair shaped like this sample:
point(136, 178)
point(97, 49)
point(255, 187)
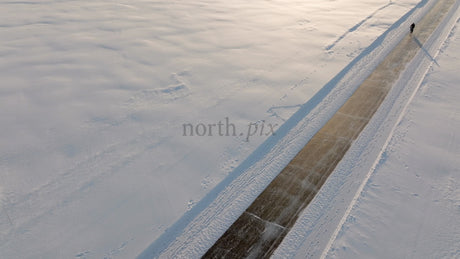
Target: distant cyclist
point(412, 27)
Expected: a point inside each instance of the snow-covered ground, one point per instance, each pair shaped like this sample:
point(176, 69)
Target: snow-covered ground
point(94, 95)
point(410, 206)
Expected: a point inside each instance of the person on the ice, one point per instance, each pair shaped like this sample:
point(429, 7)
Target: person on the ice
point(412, 26)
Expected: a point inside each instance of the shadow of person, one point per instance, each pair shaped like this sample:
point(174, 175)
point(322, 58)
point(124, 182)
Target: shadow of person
point(425, 51)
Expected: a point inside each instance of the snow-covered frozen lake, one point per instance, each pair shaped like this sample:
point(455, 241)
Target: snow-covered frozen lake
point(94, 96)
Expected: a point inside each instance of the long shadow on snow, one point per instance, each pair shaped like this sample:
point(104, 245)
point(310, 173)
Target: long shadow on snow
point(425, 51)
point(170, 234)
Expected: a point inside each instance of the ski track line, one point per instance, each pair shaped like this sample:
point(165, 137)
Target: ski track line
point(380, 155)
point(356, 26)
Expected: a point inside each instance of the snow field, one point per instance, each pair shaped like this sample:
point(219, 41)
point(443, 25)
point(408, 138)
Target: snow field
point(94, 94)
